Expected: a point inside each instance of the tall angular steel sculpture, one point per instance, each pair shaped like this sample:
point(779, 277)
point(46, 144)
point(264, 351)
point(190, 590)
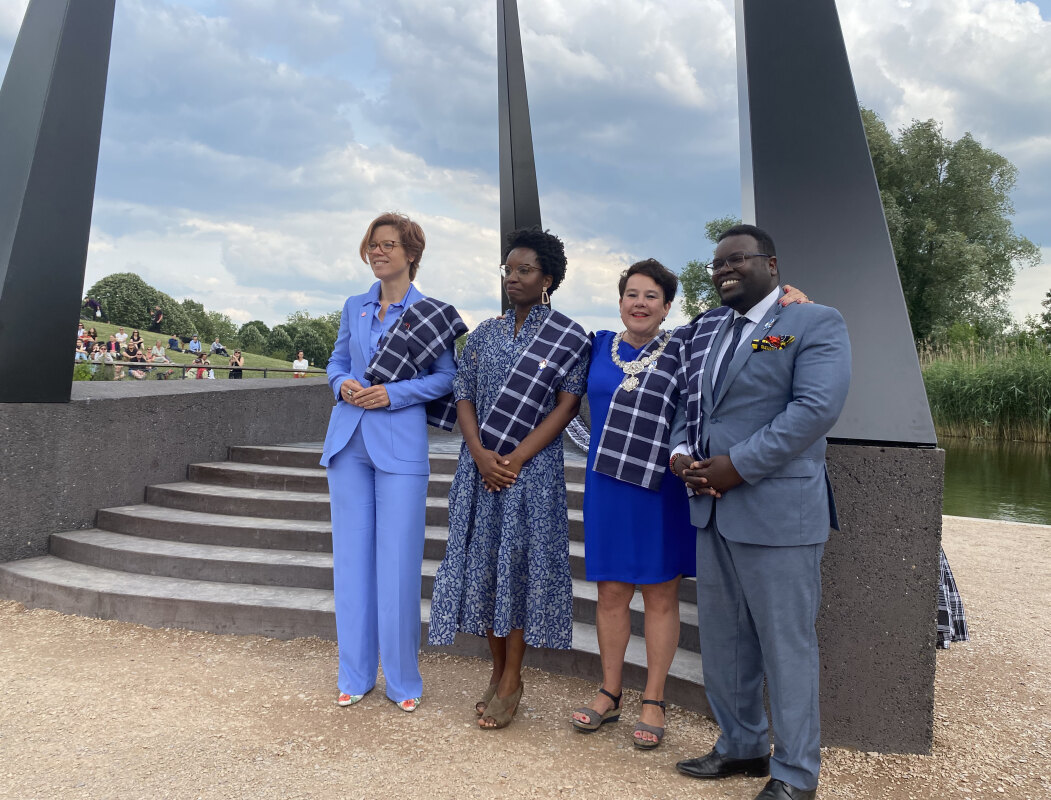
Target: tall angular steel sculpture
point(50, 124)
point(808, 179)
point(519, 197)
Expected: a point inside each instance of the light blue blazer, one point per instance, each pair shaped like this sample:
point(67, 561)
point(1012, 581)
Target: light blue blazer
point(771, 416)
point(396, 436)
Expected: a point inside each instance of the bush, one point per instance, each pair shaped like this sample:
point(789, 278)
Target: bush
point(259, 325)
point(252, 341)
point(126, 299)
point(279, 343)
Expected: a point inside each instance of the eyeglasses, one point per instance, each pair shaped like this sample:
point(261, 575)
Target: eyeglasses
point(523, 271)
point(733, 260)
point(386, 247)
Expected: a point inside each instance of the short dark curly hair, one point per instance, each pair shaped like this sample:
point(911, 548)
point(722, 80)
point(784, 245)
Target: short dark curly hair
point(652, 268)
point(550, 251)
point(762, 238)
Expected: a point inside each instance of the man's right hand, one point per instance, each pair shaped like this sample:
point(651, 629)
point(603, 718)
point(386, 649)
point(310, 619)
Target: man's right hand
point(689, 471)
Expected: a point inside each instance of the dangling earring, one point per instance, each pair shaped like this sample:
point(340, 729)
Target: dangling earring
point(545, 298)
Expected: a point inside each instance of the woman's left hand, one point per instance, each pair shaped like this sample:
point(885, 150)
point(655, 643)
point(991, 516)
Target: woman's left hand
point(372, 397)
point(793, 295)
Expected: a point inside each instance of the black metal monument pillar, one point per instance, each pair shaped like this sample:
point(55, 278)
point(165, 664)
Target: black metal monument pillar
point(50, 124)
point(807, 178)
point(519, 197)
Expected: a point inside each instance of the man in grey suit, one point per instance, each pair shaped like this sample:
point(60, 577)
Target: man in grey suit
point(753, 449)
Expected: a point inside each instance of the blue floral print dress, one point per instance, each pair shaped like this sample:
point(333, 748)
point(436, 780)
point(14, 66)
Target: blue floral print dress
point(506, 565)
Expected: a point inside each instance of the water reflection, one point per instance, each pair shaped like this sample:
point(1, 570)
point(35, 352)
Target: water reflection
point(997, 480)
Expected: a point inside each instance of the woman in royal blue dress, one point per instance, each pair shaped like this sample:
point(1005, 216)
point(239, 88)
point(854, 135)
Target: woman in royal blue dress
point(505, 574)
point(637, 528)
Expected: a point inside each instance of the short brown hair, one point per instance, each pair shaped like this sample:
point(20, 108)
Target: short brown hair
point(654, 269)
point(412, 238)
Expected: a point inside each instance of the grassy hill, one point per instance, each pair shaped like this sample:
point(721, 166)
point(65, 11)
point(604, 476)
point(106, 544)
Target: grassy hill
point(251, 359)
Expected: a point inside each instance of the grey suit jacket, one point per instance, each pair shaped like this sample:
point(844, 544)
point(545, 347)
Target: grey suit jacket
point(773, 411)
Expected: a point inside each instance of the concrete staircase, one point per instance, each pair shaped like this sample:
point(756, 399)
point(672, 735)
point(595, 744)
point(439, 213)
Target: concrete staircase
point(244, 546)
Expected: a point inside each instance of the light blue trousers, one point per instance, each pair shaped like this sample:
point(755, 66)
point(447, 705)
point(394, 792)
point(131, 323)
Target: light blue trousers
point(378, 521)
point(756, 612)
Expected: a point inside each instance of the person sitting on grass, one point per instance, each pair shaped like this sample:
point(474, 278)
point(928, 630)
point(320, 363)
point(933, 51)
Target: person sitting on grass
point(82, 352)
point(218, 349)
point(195, 345)
point(173, 344)
point(134, 355)
point(157, 353)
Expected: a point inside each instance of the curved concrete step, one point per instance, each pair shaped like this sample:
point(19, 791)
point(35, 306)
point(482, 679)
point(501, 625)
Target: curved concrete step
point(287, 612)
point(202, 562)
point(237, 501)
point(180, 525)
point(260, 476)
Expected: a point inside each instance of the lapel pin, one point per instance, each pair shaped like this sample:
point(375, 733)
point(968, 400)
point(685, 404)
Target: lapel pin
point(362, 313)
point(542, 364)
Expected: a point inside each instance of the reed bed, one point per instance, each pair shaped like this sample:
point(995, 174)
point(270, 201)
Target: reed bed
point(989, 391)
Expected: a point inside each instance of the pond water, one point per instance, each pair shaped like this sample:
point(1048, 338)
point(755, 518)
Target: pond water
point(997, 480)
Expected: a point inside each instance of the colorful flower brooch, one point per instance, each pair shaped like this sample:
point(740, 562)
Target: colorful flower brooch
point(772, 342)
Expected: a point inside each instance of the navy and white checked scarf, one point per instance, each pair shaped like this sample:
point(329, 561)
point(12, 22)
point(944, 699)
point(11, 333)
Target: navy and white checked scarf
point(423, 332)
point(698, 337)
point(557, 347)
point(633, 446)
point(952, 621)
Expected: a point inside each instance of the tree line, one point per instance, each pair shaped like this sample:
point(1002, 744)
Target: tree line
point(948, 210)
point(126, 299)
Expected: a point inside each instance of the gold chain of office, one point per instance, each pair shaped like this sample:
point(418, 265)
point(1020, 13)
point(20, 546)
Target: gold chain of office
point(631, 369)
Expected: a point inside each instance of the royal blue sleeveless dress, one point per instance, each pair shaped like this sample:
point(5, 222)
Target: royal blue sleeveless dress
point(631, 534)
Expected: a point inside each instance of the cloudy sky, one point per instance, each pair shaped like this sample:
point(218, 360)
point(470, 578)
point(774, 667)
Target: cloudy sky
point(247, 143)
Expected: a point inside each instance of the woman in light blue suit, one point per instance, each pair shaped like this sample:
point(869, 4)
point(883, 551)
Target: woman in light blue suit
point(376, 455)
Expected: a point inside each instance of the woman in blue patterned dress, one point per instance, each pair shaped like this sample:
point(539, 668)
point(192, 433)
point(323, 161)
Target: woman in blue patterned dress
point(505, 574)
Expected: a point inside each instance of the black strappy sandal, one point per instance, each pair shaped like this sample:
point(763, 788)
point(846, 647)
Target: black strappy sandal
point(595, 720)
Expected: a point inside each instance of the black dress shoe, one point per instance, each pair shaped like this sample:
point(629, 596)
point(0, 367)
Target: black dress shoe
point(779, 790)
point(716, 765)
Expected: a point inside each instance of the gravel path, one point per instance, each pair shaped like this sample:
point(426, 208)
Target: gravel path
point(97, 709)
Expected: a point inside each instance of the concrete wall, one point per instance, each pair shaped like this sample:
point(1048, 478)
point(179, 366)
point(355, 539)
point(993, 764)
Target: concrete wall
point(877, 625)
point(62, 462)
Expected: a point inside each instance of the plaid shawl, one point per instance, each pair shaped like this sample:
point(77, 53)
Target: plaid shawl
point(558, 345)
point(952, 621)
point(423, 332)
point(633, 446)
point(698, 335)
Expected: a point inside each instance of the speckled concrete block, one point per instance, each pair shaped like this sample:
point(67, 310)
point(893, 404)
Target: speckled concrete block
point(62, 462)
point(877, 624)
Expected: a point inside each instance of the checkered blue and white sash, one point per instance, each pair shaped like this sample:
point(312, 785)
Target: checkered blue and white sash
point(698, 337)
point(557, 347)
point(425, 330)
point(633, 446)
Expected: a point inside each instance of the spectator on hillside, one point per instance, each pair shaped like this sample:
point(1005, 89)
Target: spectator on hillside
point(195, 345)
point(82, 352)
point(196, 370)
point(210, 371)
point(236, 360)
point(122, 337)
point(156, 318)
point(81, 333)
point(157, 353)
point(173, 344)
point(93, 304)
point(301, 365)
point(134, 354)
point(218, 349)
point(98, 353)
point(91, 337)
point(113, 346)
point(136, 340)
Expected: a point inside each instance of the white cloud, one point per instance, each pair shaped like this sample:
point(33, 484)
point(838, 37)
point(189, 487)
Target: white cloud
point(1031, 287)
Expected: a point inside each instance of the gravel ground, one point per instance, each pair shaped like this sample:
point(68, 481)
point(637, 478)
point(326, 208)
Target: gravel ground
point(97, 709)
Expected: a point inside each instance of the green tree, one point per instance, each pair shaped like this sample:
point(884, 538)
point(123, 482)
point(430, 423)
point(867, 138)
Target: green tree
point(279, 343)
point(252, 341)
point(127, 300)
point(199, 317)
point(698, 291)
point(258, 324)
point(222, 327)
point(948, 211)
point(315, 336)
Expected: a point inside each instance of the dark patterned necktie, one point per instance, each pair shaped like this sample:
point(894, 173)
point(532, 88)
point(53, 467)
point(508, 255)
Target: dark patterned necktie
point(724, 365)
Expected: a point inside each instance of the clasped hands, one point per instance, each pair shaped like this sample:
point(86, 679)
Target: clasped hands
point(712, 476)
point(498, 472)
point(364, 397)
